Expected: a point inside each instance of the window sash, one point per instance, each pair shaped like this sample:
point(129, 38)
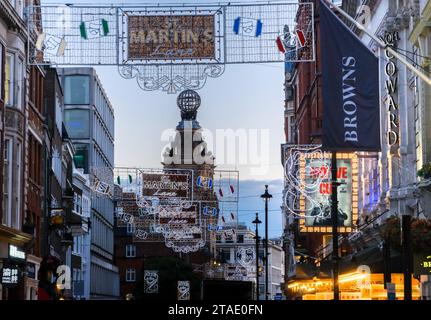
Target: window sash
point(9, 79)
point(130, 251)
point(131, 275)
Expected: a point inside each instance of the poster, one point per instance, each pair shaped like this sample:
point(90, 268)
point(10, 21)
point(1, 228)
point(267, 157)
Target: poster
point(317, 204)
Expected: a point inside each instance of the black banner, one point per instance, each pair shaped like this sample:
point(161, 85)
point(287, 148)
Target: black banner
point(351, 120)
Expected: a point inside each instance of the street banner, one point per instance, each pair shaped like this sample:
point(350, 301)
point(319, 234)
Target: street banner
point(351, 117)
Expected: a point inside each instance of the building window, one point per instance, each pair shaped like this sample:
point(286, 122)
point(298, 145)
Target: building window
point(77, 90)
point(130, 275)
point(130, 228)
point(77, 122)
point(7, 183)
point(2, 68)
point(130, 251)
point(20, 84)
point(77, 245)
point(58, 113)
point(18, 5)
point(56, 164)
point(240, 238)
point(9, 79)
point(77, 203)
point(16, 218)
point(81, 157)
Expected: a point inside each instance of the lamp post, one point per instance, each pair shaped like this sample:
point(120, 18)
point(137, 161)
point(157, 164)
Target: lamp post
point(257, 238)
point(334, 218)
point(266, 196)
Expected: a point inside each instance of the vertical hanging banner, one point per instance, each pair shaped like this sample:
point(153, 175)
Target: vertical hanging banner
point(351, 120)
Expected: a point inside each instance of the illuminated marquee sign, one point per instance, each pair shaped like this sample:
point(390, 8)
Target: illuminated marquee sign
point(166, 185)
point(171, 37)
point(316, 208)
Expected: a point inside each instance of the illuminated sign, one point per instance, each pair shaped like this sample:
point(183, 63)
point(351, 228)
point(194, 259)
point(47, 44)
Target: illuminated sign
point(166, 185)
point(171, 37)
point(15, 253)
point(178, 216)
point(422, 264)
point(391, 84)
point(10, 276)
point(315, 208)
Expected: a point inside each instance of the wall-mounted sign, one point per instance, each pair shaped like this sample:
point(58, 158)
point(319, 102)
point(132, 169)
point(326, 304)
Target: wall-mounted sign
point(183, 292)
point(151, 281)
point(165, 185)
point(15, 253)
point(391, 39)
point(422, 264)
point(10, 276)
point(171, 37)
point(316, 206)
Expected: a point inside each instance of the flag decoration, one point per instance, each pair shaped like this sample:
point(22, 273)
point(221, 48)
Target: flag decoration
point(291, 40)
point(248, 27)
point(232, 216)
point(102, 187)
point(205, 211)
point(232, 190)
point(223, 219)
point(300, 36)
point(130, 178)
point(51, 45)
point(220, 191)
point(94, 29)
point(214, 211)
point(204, 182)
point(351, 117)
point(118, 180)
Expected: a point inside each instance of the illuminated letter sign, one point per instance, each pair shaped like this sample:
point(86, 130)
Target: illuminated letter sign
point(164, 186)
point(171, 37)
point(391, 84)
point(15, 253)
point(422, 264)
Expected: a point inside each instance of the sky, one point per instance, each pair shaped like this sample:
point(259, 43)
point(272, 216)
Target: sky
point(245, 97)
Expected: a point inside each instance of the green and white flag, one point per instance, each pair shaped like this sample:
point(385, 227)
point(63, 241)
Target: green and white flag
point(94, 29)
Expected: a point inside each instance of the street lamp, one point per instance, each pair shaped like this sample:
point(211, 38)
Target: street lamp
point(266, 196)
point(257, 238)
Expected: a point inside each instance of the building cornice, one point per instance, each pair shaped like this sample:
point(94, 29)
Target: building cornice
point(14, 236)
point(423, 23)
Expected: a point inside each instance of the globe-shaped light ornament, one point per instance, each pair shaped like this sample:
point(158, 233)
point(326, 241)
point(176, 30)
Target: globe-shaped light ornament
point(189, 102)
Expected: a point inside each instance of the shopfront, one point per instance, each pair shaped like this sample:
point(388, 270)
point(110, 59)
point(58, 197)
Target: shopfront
point(353, 286)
